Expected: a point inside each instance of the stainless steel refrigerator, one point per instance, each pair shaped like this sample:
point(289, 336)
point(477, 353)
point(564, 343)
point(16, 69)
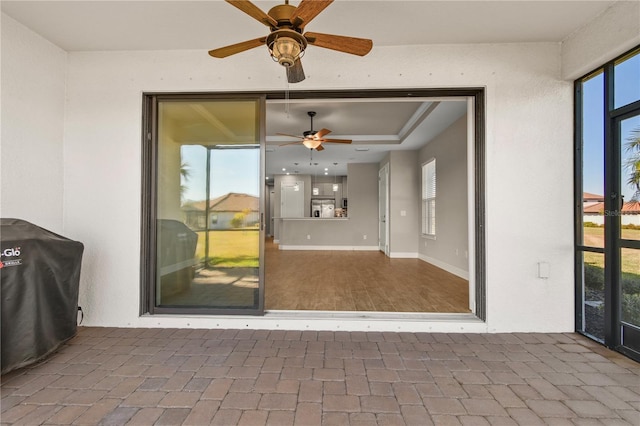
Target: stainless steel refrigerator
point(323, 208)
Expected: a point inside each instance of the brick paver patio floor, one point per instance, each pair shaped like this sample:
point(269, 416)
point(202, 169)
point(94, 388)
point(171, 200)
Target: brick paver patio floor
point(115, 376)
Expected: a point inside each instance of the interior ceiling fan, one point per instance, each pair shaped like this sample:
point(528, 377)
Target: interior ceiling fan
point(285, 42)
point(313, 139)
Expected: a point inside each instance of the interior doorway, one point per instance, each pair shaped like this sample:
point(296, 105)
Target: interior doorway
point(305, 261)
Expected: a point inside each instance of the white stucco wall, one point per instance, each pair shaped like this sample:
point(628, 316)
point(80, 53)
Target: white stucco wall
point(33, 91)
point(529, 123)
point(611, 34)
point(529, 112)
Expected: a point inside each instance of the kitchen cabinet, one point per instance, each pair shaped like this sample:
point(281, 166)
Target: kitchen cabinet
point(325, 190)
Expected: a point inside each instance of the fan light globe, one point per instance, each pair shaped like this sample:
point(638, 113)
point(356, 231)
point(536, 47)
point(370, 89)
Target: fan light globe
point(311, 143)
point(285, 50)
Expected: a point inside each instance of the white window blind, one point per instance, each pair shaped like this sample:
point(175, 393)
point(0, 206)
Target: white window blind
point(429, 197)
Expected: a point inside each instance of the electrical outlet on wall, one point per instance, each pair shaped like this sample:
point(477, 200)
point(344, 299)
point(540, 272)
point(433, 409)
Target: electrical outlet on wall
point(543, 270)
point(308, 237)
point(364, 237)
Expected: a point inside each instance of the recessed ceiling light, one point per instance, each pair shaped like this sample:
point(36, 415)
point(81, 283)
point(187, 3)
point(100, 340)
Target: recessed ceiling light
point(326, 169)
point(287, 173)
point(284, 170)
point(326, 173)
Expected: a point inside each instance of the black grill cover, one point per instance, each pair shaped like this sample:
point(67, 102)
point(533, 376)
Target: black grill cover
point(39, 278)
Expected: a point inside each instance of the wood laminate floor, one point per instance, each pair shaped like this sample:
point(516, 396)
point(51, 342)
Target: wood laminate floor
point(359, 281)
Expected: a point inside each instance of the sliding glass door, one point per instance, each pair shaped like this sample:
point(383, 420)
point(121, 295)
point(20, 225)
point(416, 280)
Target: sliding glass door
point(207, 215)
point(626, 131)
point(608, 204)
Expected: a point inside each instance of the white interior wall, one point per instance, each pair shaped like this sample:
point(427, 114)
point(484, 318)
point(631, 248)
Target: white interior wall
point(33, 100)
point(404, 205)
point(529, 156)
point(449, 250)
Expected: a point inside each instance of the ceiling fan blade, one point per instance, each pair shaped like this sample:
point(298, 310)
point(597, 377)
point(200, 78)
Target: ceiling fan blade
point(319, 148)
point(291, 136)
point(353, 45)
point(254, 11)
point(290, 143)
point(223, 52)
point(307, 10)
point(320, 133)
point(337, 140)
point(295, 73)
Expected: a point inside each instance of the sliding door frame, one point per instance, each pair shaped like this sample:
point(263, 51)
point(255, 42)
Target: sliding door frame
point(149, 177)
point(149, 198)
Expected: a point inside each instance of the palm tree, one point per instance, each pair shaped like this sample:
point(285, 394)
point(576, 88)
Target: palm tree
point(632, 164)
point(185, 174)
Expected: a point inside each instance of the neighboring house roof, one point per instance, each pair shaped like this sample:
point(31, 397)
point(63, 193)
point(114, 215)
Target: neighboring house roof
point(597, 208)
point(632, 207)
point(231, 202)
point(587, 196)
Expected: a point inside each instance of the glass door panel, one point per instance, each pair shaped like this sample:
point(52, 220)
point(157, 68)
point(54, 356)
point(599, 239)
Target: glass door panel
point(593, 162)
point(608, 204)
point(629, 134)
point(593, 295)
point(208, 239)
point(627, 88)
point(628, 137)
point(630, 286)
point(591, 235)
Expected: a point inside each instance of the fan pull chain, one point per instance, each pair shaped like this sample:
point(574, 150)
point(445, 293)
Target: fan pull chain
point(286, 100)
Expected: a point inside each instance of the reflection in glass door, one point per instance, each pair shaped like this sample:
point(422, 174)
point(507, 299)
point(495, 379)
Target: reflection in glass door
point(627, 134)
point(208, 209)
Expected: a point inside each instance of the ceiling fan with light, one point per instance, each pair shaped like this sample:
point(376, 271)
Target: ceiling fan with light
point(286, 42)
point(313, 139)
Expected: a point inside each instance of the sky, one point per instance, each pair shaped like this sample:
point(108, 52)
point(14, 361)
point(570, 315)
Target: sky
point(627, 90)
point(232, 170)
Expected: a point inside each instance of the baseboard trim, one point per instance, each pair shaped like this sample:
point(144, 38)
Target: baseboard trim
point(336, 248)
point(443, 265)
point(400, 255)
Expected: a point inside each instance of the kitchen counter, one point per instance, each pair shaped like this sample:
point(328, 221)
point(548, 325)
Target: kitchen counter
point(312, 218)
point(316, 233)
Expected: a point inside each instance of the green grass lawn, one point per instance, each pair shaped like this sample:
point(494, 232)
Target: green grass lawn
point(237, 248)
point(630, 279)
point(594, 237)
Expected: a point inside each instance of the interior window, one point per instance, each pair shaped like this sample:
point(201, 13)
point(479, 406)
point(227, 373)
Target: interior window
point(429, 198)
